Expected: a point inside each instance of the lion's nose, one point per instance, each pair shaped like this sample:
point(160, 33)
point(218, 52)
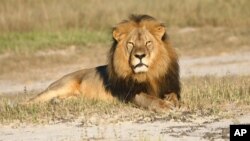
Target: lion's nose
point(140, 55)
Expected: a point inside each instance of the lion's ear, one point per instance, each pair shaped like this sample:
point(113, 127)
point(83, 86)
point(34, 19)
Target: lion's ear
point(160, 31)
point(121, 30)
point(117, 34)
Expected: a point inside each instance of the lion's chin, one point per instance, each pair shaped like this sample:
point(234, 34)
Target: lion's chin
point(141, 69)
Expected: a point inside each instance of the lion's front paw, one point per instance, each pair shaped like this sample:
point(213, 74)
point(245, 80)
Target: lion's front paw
point(161, 106)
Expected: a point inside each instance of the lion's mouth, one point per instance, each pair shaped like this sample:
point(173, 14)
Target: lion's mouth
point(140, 65)
point(139, 68)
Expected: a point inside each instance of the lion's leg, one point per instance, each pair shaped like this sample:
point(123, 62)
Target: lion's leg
point(44, 96)
point(59, 91)
point(70, 94)
point(172, 98)
point(49, 95)
point(152, 102)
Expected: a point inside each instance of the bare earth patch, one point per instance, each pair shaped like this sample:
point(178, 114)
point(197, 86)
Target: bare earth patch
point(226, 64)
point(205, 128)
point(20, 77)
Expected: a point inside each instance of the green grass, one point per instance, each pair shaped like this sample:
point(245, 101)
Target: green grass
point(32, 41)
point(200, 41)
point(203, 96)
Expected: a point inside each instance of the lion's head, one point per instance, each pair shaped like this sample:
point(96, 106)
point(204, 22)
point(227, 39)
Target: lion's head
point(140, 50)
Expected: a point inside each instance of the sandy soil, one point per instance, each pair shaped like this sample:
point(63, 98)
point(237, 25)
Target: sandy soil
point(225, 64)
point(206, 128)
point(35, 78)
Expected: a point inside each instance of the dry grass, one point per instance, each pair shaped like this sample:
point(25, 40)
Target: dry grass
point(27, 15)
point(201, 96)
point(28, 25)
point(63, 111)
point(209, 41)
point(216, 94)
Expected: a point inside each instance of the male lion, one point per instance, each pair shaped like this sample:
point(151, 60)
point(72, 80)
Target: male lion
point(142, 68)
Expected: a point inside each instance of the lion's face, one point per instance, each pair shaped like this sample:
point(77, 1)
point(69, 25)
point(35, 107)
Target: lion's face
point(139, 48)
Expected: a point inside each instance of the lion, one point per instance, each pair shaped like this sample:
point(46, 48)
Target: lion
point(142, 68)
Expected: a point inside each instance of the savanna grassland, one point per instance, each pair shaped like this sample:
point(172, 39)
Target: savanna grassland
point(202, 96)
point(30, 25)
point(41, 40)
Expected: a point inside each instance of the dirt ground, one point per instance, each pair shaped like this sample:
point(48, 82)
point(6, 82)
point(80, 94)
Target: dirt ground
point(19, 73)
point(198, 129)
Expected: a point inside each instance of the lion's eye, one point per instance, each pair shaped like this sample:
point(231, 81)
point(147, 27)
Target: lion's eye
point(131, 43)
point(130, 46)
point(148, 43)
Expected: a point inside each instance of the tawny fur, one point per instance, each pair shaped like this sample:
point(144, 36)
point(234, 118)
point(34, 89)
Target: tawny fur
point(153, 83)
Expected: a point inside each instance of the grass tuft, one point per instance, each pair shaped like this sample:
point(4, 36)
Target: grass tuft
point(216, 94)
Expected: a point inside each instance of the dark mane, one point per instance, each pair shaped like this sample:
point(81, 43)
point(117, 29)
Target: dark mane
point(126, 89)
point(123, 89)
point(139, 18)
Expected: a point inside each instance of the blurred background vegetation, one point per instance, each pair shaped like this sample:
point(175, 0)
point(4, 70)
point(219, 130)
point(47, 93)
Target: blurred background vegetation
point(39, 24)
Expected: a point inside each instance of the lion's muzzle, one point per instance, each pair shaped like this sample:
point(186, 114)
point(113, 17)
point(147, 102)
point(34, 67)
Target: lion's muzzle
point(140, 62)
